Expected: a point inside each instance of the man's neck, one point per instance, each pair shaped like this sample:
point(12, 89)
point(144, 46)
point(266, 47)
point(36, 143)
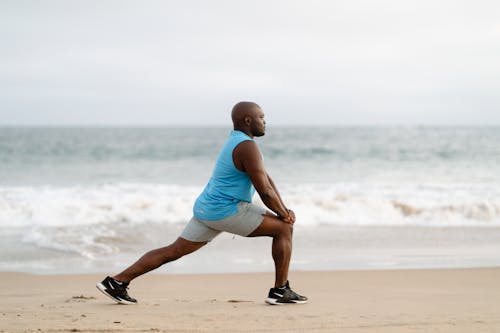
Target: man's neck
point(246, 131)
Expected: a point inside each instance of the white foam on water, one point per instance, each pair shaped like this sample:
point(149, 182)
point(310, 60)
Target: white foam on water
point(399, 205)
point(92, 220)
point(99, 219)
point(95, 205)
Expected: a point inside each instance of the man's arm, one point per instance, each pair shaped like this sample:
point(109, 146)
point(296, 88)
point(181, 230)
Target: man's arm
point(275, 189)
point(291, 213)
point(247, 158)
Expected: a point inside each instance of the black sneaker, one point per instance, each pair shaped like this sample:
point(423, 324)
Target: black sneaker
point(116, 290)
point(284, 295)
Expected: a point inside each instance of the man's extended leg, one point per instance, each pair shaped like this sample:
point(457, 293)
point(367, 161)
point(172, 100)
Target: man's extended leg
point(155, 258)
point(116, 287)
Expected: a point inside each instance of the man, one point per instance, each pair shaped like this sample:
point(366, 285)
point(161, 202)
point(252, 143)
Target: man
point(225, 205)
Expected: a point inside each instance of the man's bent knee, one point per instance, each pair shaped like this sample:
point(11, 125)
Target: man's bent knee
point(287, 230)
point(273, 227)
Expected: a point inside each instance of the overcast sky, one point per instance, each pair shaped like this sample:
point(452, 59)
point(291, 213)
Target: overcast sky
point(309, 62)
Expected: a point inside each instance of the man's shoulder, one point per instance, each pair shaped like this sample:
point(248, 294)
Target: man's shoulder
point(246, 155)
point(247, 147)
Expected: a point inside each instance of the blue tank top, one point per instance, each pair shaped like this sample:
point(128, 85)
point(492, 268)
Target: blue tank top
point(227, 186)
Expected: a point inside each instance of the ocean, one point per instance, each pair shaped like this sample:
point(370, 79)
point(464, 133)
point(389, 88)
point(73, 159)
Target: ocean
point(94, 199)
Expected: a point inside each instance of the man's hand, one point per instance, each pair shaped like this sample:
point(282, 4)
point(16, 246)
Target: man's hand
point(290, 218)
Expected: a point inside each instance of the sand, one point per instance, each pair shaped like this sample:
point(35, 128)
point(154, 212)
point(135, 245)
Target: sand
point(442, 300)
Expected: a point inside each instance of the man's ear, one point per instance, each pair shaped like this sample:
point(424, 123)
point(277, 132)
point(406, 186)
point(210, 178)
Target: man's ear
point(248, 121)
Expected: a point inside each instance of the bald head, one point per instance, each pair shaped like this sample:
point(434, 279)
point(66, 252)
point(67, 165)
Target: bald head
point(242, 110)
point(248, 118)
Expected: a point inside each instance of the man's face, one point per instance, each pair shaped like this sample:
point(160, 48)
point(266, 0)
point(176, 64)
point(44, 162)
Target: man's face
point(258, 125)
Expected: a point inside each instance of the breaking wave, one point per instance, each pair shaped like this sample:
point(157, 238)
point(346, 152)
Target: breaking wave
point(93, 220)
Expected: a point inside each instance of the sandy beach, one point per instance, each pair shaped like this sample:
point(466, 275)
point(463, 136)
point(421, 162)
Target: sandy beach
point(441, 300)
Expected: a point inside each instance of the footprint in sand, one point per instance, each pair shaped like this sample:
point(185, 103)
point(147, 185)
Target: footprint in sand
point(79, 299)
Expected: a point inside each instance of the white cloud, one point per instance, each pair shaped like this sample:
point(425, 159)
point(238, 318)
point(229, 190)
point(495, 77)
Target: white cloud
point(321, 62)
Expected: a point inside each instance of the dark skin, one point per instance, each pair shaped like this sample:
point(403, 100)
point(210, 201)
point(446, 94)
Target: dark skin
point(247, 158)
point(248, 118)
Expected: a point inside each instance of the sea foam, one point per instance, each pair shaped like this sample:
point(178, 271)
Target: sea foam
point(93, 220)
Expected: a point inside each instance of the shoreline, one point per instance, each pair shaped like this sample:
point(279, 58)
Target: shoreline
point(401, 300)
point(336, 248)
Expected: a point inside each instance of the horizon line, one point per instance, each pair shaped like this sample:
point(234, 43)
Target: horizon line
point(230, 125)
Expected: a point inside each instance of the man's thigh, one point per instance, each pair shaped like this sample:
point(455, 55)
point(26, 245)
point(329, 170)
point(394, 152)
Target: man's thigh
point(197, 231)
point(248, 218)
point(272, 226)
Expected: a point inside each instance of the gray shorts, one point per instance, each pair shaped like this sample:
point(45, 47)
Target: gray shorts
point(243, 223)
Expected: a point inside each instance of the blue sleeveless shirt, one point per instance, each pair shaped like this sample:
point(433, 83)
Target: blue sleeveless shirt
point(227, 186)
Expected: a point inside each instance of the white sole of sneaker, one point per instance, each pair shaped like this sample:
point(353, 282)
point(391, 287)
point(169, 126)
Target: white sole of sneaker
point(102, 289)
point(273, 301)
